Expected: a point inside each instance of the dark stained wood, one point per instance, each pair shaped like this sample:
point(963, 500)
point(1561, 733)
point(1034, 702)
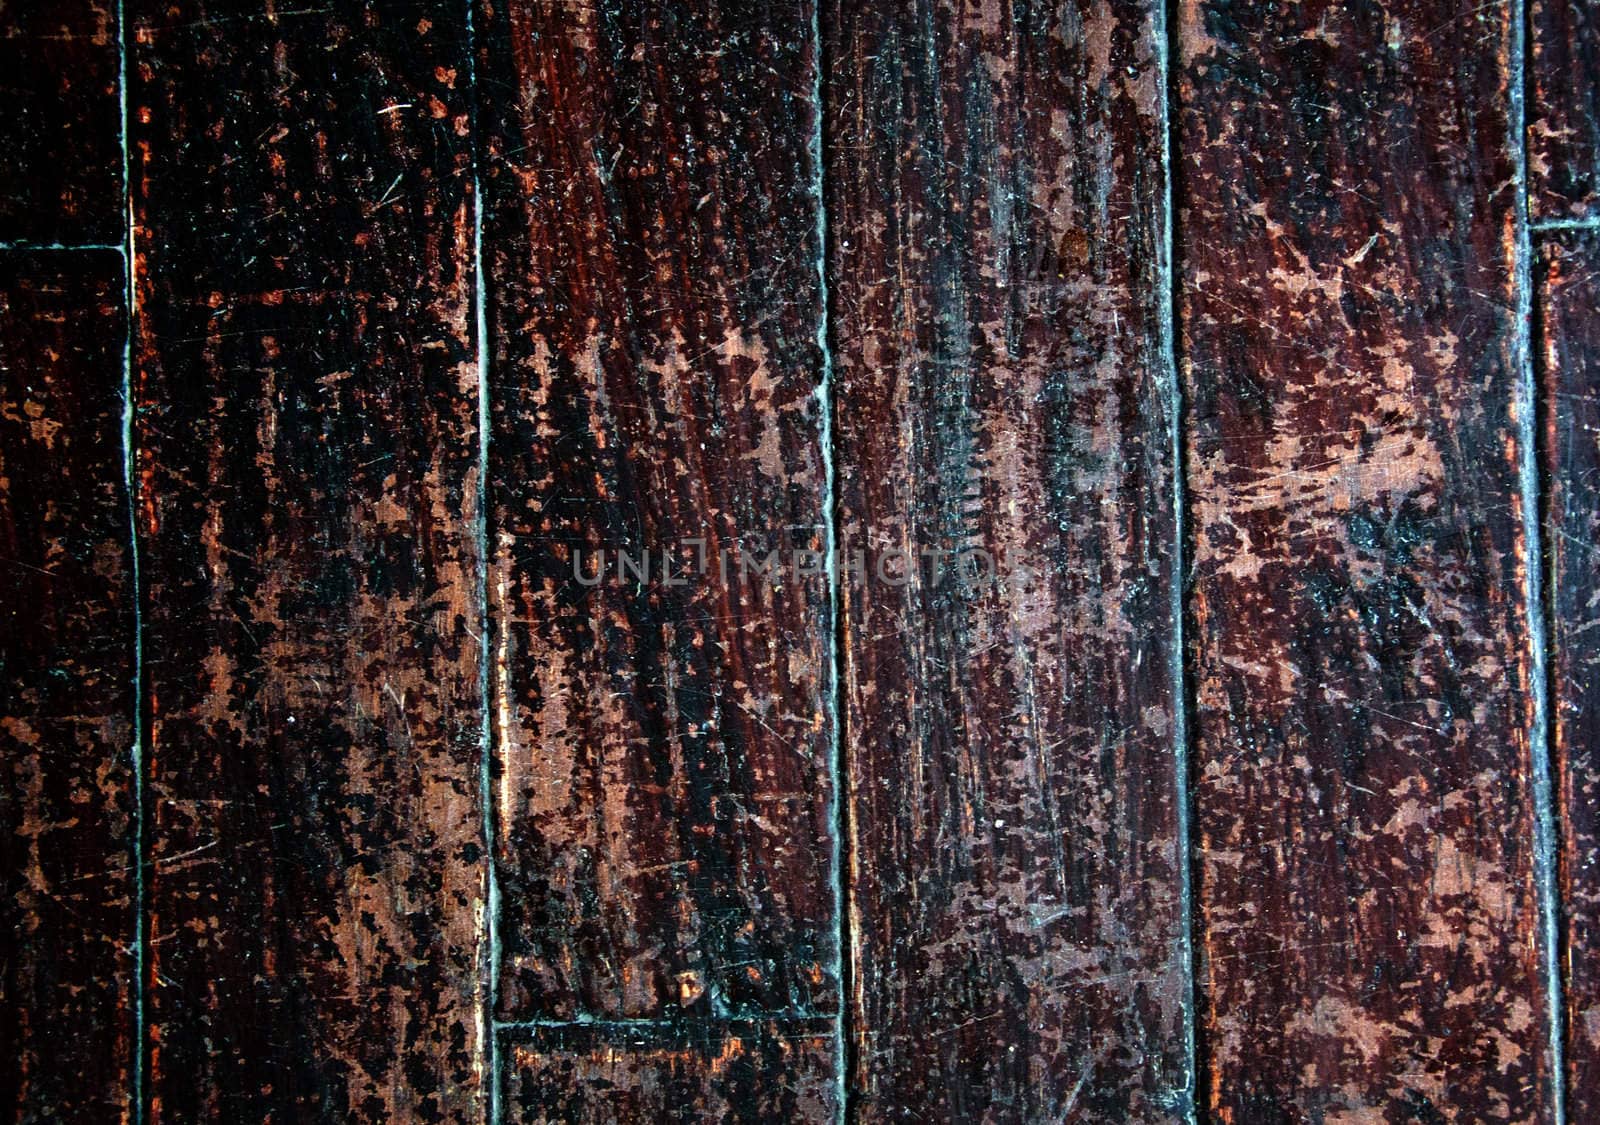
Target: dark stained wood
point(997, 201)
point(61, 178)
point(66, 693)
point(1360, 647)
point(307, 435)
point(1570, 328)
point(1564, 109)
point(665, 842)
point(759, 1073)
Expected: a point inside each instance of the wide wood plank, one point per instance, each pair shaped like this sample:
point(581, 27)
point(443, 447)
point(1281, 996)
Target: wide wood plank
point(67, 821)
point(642, 1074)
point(1569, 294)
point(998, 207)
point(664, 742)
point(1361, 658)
point(307, 433)
point(1564, 109)
point(61, 132)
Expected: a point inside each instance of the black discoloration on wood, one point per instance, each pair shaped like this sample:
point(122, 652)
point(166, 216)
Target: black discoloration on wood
point(307, 441)
point(1564, 109)
point(998, 207)
point(732, 1072)
point(664, 750)
point(1569, 293)
point(66, 693)
point(60, 123)
point(1360, 641)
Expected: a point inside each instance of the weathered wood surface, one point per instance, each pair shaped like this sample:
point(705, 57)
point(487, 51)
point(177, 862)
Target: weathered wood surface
point(997, 207)
point(741, 1072)
point(67, 828)
point(1367, 903)
point(664, 745)
point(1564, 109)
point(307, 470)
point(61, 176)
point(1569, 308)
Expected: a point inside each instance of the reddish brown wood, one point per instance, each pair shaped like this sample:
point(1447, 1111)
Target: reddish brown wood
point(1564, 109)
point(997, 200)
point(1569, 294)
point(738, 1072)
point(67, 828)
point(307, 439)
point(1360, 645)
point(665, 843)
point(61, 178)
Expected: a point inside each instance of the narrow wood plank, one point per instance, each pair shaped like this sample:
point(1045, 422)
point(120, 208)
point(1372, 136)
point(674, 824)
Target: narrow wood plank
point(61, 132)
point(1564, 110)
point(996, 193)
point(756, 1073)
point(1569, 291)
point(307, 459)
point(1360, 646)
point(67, 828)
point(664, 744)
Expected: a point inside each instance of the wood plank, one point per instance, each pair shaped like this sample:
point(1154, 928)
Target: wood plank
point(664, 747)
point(67, 829)
point(1564, 109)
point(1368, 906)
point(307, 437)
point(997, 197)
point(61, 179)
point(687, 1071)
point(1569, 291)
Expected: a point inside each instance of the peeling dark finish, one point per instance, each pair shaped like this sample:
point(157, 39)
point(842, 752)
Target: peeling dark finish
point(663, 750)
point(1564, 110)
point(307, 413)
point(997, 200)
point(60, 123)
point(1569, 293)
point(1360, 640)
point(66, 693)
point(739, 1073)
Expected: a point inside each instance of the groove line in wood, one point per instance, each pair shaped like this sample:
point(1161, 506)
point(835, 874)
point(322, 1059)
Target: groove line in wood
point(130, 481)
point(1538, 582)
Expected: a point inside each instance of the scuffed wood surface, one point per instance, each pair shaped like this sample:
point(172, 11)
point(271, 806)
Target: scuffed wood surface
point(66, 693)
point(997, 202)
point(307, 441)
point(664, 795)
point(1564, 109)
point(1569, 294)
point(60, 122)
point(732, 1072)
point(1360, 648)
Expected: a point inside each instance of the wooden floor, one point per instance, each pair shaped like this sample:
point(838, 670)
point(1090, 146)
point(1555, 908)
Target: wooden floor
point(905, 560)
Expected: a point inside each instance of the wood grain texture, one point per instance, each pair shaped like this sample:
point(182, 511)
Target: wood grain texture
point(1569, 292)
point(997, 201)
point(1360, 640)
point(663, 745)
point(67, 830)
point(1564, 109)
point(307, 435)
point(691, 1071)
point(61, 179)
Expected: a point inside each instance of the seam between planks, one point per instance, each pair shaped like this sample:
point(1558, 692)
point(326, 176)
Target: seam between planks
point(839, 808)
point(36, 247)
point(1535, 581)
point(1168, 281)
point(129, 482)
point(1588, 222)
point(488, 1029)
